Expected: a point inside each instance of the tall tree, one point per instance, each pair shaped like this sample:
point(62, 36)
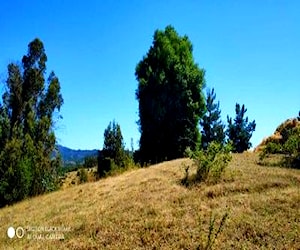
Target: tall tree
point(27, 164)
point(212, 126)
point(170, 97)
point(239, 130)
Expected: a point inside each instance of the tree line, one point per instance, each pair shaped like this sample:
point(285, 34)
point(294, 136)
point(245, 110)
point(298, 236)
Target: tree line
point(172, 107)
point(172, 103)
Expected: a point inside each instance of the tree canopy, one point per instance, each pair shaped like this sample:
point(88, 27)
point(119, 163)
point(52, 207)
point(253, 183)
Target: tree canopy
point(170, 97)
point(239, 130)
point(27, 140)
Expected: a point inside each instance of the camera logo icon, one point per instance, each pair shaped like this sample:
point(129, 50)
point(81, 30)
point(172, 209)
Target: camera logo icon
point(12, 232)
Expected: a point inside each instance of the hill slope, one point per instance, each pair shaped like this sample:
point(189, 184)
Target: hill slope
point(149, 209)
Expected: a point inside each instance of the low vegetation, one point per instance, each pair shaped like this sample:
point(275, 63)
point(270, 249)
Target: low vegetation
point(148, 208)
point(284, 142)
point(210, 163)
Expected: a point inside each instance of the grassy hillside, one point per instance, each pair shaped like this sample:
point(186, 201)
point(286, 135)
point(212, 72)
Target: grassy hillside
point(149, 209)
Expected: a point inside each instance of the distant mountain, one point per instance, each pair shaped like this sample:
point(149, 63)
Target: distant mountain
point(71, 156)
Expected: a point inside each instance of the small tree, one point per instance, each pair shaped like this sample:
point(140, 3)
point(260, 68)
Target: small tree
point(211, 163)
point(212, 126)
point(113, 144)
point(113, 153)
point(239, 130)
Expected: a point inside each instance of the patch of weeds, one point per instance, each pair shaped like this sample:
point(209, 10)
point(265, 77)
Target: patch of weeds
point(186, 179)
point(214, 231)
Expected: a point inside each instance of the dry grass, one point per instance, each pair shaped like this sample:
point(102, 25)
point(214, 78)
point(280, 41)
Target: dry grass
point(72, 179)
point(149, 209)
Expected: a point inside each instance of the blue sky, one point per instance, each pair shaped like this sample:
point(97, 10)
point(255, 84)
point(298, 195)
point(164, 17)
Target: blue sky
point(249, 49)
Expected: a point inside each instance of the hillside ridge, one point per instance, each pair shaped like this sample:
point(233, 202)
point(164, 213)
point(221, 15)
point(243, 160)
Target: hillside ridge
point(73, 156)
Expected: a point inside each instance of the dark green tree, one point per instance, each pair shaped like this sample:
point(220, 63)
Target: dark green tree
point(113, 143)
point(113, 152)
point(27, 139)
point(239, 130)
point(170, 97)
point(90, 162)
point(212, 126)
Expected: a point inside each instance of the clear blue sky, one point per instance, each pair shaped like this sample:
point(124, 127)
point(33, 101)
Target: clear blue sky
point(249, 49)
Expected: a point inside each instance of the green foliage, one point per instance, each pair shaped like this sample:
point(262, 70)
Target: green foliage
point(270, 148)
point(27, 139)
point(105, 165)
point(16, 174)
point(212, 126)
point(291, 148)
point(113, 144)
point(170, 98)
point(83, 175)
point(211, 163)
point(292, 144)
point(90, 162)
point(288, 146)
point(113, 156)
point(240, 130)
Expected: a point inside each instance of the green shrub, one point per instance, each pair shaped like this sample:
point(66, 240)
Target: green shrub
point(210, 163)
point(292, 150)
point(90, 162)
point(83, 175)
point(270, 148)
point(105, 165)
point(289, 150)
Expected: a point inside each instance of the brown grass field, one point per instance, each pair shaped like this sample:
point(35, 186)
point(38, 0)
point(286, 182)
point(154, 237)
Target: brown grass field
point(149, 209)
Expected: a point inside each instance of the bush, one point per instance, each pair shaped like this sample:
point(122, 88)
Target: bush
point(270, 148)
point(83, 175)
point(105, 165)
point(292, 150)
point(210, 163)
point(289, 149)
